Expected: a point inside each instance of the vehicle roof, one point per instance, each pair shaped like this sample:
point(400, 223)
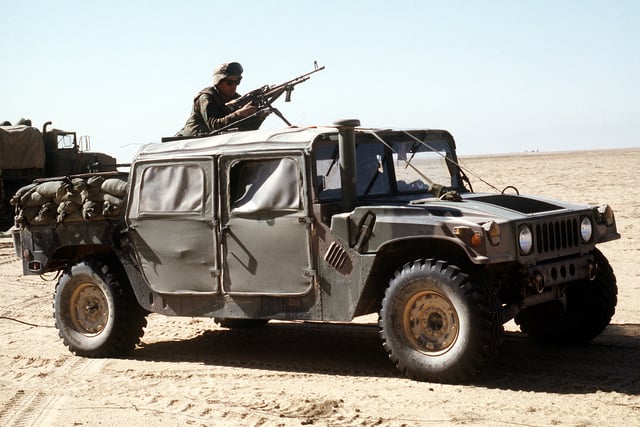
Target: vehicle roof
point(291, 138)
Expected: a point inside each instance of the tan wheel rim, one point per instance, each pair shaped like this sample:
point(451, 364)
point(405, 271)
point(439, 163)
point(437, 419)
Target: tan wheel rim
point(89, 309)
point(430, 322)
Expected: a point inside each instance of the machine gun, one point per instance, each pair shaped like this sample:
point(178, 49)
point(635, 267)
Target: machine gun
point(265, 96)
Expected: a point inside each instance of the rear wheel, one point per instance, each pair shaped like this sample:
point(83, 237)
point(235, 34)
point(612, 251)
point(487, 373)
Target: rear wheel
point(590, 305)
point(95, 310)
point(437, 324)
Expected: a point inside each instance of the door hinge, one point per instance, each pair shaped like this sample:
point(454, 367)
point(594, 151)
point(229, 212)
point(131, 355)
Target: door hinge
point(305, 220)
point(309, 272)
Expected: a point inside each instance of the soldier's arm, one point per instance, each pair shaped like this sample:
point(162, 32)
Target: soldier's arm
point(215, 114)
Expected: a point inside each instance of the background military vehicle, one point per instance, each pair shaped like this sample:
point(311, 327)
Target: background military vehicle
point(324, 224)
point(27, 154)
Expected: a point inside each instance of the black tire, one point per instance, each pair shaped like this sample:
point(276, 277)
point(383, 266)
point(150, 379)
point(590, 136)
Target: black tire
point(241, 323)
point(437, 324)
point(590, 305)
point(95, 310)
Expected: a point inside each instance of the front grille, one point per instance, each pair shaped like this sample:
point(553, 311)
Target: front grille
point(557, 235)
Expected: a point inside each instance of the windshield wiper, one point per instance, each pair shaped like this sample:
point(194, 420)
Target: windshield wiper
point(334, 160)
point(414, 151)
point(376, 174)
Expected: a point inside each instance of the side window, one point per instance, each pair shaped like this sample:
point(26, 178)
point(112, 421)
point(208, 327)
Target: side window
point(66, 140)
point(264, 185)
point(172, 189)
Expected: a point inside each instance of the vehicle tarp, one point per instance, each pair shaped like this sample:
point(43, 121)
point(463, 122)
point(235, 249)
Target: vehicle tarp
point(21, 147)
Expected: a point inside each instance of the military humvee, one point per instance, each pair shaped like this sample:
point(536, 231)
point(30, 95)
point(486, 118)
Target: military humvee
point(327, 224)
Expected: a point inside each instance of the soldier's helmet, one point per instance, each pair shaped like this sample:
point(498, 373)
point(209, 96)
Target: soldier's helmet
point(228, 69)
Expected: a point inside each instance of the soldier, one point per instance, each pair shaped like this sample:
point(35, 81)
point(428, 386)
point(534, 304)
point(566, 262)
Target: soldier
point(209, 111)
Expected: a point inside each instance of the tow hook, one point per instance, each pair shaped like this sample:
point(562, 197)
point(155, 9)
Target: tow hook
point(537, 282)
point(592, 270)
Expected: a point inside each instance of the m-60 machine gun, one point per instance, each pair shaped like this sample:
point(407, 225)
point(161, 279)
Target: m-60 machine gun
point(264, 97)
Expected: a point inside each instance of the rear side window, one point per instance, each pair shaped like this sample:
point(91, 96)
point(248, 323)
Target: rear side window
point(172, 188)
point(264, 185)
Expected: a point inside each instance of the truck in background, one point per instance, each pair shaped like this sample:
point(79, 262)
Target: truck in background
point(26, 154)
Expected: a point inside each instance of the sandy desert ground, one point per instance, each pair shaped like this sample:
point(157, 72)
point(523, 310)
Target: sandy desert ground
point(189, 372)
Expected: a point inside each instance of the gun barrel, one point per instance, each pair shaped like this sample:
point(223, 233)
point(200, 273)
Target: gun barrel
point(311, 72)
point(266, 95)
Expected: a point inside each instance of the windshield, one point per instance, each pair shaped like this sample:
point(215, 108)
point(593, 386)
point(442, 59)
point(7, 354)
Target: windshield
point(387, 164)
point(417, 167)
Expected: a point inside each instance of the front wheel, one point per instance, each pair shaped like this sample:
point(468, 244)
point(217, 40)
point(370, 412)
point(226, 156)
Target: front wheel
point(437, 324)
point(95, 310)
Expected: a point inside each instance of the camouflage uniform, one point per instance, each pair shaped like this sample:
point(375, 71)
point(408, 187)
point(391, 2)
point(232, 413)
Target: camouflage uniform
point(209, 113)
point(209, 110)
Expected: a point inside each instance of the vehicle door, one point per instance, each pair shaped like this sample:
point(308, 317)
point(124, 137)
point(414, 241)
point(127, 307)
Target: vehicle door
point(265, 226)
point(172, 223)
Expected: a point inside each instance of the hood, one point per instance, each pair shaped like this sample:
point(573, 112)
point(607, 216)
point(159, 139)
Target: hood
point(435, 218)
point(496, 206)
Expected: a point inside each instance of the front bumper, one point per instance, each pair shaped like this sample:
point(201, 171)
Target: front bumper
point(557, 272)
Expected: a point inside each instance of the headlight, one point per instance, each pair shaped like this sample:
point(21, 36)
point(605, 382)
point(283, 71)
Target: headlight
point(525, 240)
point(604, 213)
point(586, 229)
point(493, 232)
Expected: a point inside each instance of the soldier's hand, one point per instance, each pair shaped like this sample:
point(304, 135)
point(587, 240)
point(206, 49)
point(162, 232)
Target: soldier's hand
point(247, 110)
point(262, 114)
